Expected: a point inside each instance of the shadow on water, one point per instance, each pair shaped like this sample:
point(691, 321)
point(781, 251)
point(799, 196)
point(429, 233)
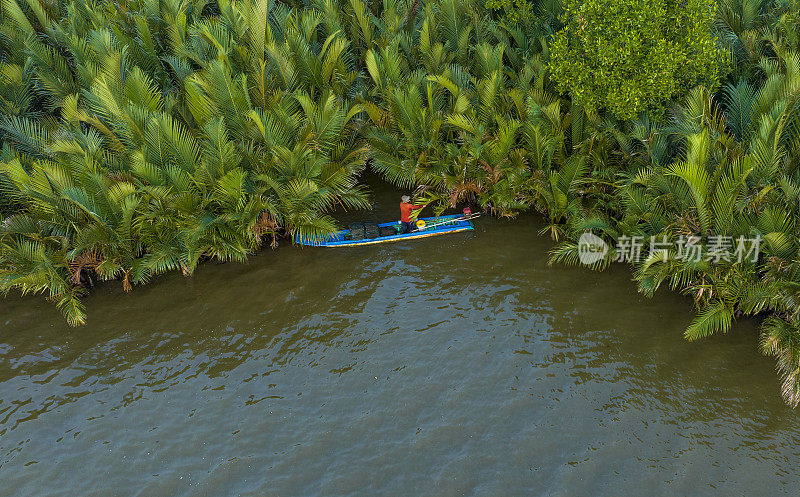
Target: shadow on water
point(460, 363)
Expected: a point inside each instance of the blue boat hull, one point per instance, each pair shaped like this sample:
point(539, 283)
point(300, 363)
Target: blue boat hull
point(339, 239)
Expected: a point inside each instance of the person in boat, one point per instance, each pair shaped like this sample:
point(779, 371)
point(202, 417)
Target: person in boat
point(406, 207)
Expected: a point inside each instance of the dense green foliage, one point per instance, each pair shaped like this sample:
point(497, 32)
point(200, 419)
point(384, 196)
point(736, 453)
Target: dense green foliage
point(630, 55)
point(724, 165)
point(149, 136)
point(147, 139)
point(514, 11)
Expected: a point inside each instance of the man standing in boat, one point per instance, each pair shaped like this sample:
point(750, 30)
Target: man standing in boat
point(405, 213)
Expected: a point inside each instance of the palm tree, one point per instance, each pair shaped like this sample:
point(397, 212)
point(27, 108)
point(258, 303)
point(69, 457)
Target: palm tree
point(734, 174)
point(146, 138)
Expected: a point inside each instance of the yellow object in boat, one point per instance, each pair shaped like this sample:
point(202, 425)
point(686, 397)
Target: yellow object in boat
point(420, 223)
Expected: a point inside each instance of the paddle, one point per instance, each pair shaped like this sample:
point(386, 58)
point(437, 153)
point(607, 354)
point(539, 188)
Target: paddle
point(449, 221)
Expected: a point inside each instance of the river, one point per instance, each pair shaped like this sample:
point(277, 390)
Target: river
point(454, 365)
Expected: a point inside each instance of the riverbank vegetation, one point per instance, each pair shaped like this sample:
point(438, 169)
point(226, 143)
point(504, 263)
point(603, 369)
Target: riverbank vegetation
point(148, 136)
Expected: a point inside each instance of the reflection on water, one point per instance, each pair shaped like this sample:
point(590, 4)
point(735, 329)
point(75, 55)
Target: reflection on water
point(450, 366)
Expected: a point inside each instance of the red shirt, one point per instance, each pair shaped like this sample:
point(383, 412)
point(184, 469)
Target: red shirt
point(405, 211)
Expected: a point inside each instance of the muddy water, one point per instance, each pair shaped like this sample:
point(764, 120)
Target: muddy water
point(457, 365)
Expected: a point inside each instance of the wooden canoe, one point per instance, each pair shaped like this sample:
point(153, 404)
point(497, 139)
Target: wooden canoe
point(442, 225)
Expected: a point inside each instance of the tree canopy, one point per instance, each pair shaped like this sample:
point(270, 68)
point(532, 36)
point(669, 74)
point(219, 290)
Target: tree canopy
point(629, 55)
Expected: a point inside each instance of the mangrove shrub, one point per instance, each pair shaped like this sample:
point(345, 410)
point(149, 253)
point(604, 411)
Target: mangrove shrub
point(629, 55)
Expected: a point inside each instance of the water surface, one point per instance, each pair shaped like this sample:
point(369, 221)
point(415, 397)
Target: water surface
point(455, 365)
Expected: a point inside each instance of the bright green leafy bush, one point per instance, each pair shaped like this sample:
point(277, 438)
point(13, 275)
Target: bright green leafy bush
point(629, 55)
